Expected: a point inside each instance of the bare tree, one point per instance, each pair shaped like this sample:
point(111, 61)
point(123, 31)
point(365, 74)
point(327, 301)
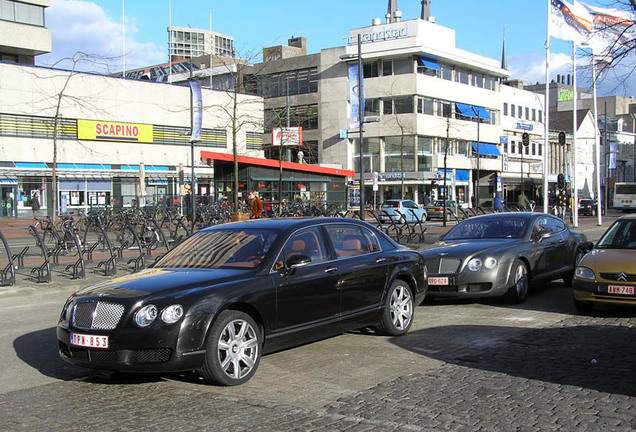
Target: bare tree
point(236, 111)
point(78, 59)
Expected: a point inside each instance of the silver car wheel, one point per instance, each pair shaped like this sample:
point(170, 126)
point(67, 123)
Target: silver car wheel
point(401, 307)
point(521, 282)
point(238, 349)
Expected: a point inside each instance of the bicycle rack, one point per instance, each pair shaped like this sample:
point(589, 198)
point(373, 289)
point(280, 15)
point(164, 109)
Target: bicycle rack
point(7, 275)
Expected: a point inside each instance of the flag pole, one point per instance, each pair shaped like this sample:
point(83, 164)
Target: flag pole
point(575, 195)
point(597, 147)
point(546, 113)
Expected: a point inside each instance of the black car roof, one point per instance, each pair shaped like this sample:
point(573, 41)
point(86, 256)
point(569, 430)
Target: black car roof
point(283, 223)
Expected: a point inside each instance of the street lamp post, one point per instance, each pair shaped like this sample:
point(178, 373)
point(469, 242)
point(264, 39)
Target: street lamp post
point(361, 119)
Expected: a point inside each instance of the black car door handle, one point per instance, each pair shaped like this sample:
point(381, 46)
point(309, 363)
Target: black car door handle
point(380, 260)
point(331, 270)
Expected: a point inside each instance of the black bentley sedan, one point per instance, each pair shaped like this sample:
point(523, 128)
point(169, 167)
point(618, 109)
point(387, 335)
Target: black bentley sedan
point(502, 254)
point(232, 292)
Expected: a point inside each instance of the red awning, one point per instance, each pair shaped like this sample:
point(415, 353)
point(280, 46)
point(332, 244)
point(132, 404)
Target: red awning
point(273, 163)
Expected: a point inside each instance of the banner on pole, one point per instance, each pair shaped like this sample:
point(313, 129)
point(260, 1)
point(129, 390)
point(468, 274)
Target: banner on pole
point(197, 110)
point(356, 94)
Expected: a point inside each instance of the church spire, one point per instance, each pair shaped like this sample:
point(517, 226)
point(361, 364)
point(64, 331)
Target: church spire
point(504, 63)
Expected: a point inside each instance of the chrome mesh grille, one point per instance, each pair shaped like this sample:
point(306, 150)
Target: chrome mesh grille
point(619, 277)
point(97, 315)
point(443, 265)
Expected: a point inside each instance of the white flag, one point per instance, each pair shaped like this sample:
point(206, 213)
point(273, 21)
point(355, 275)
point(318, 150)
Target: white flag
point(613, 28)
point(570, 21)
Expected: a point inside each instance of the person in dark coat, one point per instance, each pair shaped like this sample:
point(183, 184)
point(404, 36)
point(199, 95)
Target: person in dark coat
point(35, 205)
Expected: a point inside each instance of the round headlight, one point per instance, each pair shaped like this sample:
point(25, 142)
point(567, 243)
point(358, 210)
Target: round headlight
point(474, 264)
point(172, 314)
point(490, 262)
point(146, 315)
point(584, 273)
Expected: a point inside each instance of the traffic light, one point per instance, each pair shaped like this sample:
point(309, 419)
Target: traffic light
point(561, 181)
point(525, 139)
point(562, 138)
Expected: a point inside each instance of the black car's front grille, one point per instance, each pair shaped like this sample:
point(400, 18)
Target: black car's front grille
point(97, 315)
point(443, 265)
point(619, 277)
point(159, 355)
point(146, 356)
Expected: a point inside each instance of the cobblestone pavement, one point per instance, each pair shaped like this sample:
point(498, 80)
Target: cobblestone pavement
point(578, 374)
point(465, 366)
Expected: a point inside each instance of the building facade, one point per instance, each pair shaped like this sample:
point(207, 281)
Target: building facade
point(112, 141)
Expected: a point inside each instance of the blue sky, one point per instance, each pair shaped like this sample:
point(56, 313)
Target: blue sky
point(95, 27)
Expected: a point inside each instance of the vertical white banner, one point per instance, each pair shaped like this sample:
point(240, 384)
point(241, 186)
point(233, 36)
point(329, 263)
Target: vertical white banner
point(356, 93)
point(197, 110)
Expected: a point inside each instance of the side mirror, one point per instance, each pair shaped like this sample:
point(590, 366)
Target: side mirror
point(296, 261)
point(587, 246)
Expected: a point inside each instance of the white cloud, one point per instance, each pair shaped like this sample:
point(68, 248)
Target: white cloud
point(83, 26)
point(619, 81)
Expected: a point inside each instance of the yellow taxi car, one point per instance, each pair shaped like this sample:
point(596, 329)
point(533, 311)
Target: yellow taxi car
point(607, 274)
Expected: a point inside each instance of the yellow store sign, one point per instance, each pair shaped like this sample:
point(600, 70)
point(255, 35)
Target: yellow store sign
point(95, 130)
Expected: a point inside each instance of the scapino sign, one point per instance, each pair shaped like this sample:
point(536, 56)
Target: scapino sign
point(96, 130)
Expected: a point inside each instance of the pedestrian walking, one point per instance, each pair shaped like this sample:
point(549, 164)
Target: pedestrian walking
point(498, 203)
point(35, 205)
point(255, 205)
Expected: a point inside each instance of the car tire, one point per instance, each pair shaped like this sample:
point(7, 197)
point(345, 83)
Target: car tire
point(567, 280)
point(584, 308)
point(518, 290)
point(399, 307)
point(233, 349)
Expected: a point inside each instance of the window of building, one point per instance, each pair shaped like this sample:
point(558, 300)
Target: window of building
point(442, 148)
point(446, 72)
point(505, 147)
point(370, 156)
point(463, 148)
point(513, 147)
point(540, 149)
point(399, 154)
point(512, 110)
point(425, 105)
point(403, 66)
point(520, 111)
point(540, 116)
point(424, 145)
point(22, 13)
point(490, 82)
point(387, 67)
point(398, 105)
point(461, 76)
point(299, 81)
point(505, 106)
point(478, 80)
point(444, 108)
point(534, 149)
point(372, 107)
point(527, 113)
point(370, 70)
point(534, 114)
point(254, 140)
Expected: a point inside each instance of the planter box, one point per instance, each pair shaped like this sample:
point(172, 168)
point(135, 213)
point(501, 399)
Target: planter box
point(236, 216)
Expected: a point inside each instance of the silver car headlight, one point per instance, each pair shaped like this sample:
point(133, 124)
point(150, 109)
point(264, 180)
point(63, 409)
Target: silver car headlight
point(584, 273)
point(172, 314)
point(474, 264)
point(490, 263)
point(146, 315)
